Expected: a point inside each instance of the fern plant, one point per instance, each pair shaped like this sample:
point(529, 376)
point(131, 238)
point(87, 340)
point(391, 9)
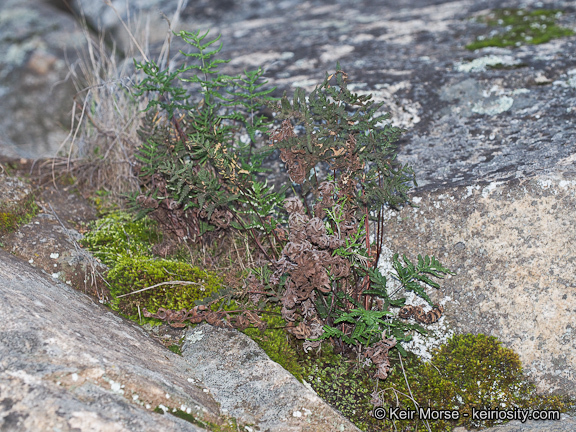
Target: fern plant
point(197, 171)
point(201, 167)
point(330, 263)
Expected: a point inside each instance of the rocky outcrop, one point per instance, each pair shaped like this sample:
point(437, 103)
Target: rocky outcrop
point(38, 43)
point(566, 424)
point(69, 363)
point(253, 388)
point(513, 248)
point(489, 133)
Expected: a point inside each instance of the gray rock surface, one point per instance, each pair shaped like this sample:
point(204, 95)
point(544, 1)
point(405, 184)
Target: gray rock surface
point(565, 424)
point(37, 42)
point(513, 247)
point(251, 387)
point(467, 122)
point(70, 364)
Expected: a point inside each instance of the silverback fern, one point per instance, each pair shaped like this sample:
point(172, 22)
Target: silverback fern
point(322, 268)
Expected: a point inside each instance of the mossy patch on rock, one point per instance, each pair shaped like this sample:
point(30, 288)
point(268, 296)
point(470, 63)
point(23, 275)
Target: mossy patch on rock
point(118, 235)
point(343, 384)
point(131, 274)
point(231, 424)
point(125, 246)
point(469, 371)
point(515, 27)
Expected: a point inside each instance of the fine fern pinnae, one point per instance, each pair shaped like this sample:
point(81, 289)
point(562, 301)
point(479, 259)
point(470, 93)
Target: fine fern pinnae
point(331, 273)
point(204, 176)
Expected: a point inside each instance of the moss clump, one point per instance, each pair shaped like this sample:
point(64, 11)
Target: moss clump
point(125, 246)
point(117, 235)
point(135, 273)
point(475, 371)
point(468, 371)
point(14, 215)
point(518, 27)
point(231, 424)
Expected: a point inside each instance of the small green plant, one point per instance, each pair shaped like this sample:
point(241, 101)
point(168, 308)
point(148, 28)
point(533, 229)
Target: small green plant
point(176, 349)
point(325, 276)
point(200, 164)
point(517, 27)
point(199, 175)
point(328, 267)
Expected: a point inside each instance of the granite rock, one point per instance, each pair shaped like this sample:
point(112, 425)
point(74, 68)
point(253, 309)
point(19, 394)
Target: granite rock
point(565, 424)
point(37, 44)
point(512, 245)
point(68, 363)
point(251, 387)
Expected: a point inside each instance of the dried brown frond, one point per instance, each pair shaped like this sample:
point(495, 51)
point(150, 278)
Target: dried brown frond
point(417, 312)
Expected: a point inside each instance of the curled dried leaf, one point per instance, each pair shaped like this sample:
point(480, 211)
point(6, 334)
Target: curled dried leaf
point(378, 353)
point(417, 312)
point(293, 205)
point(315, 228)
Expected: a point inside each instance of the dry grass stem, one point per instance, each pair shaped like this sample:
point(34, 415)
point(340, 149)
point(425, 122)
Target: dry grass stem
point(160, 284)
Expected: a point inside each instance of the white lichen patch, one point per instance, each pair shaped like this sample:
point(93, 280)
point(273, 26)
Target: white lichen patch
point(333, 53)
point(261, 58)
point(493, 107)
point(195, 336)
point(494, 186)
point(481, 63)
point(116, 387)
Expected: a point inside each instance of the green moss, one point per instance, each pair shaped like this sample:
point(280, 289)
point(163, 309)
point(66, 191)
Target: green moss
point(132, 273)
point(468, 371)
point(14, 215)
point(117, 235)
point(518, 27)
point(343, 384)
point(230, 425)
point(125, 246)
point(475, 371)
point(176, 349)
